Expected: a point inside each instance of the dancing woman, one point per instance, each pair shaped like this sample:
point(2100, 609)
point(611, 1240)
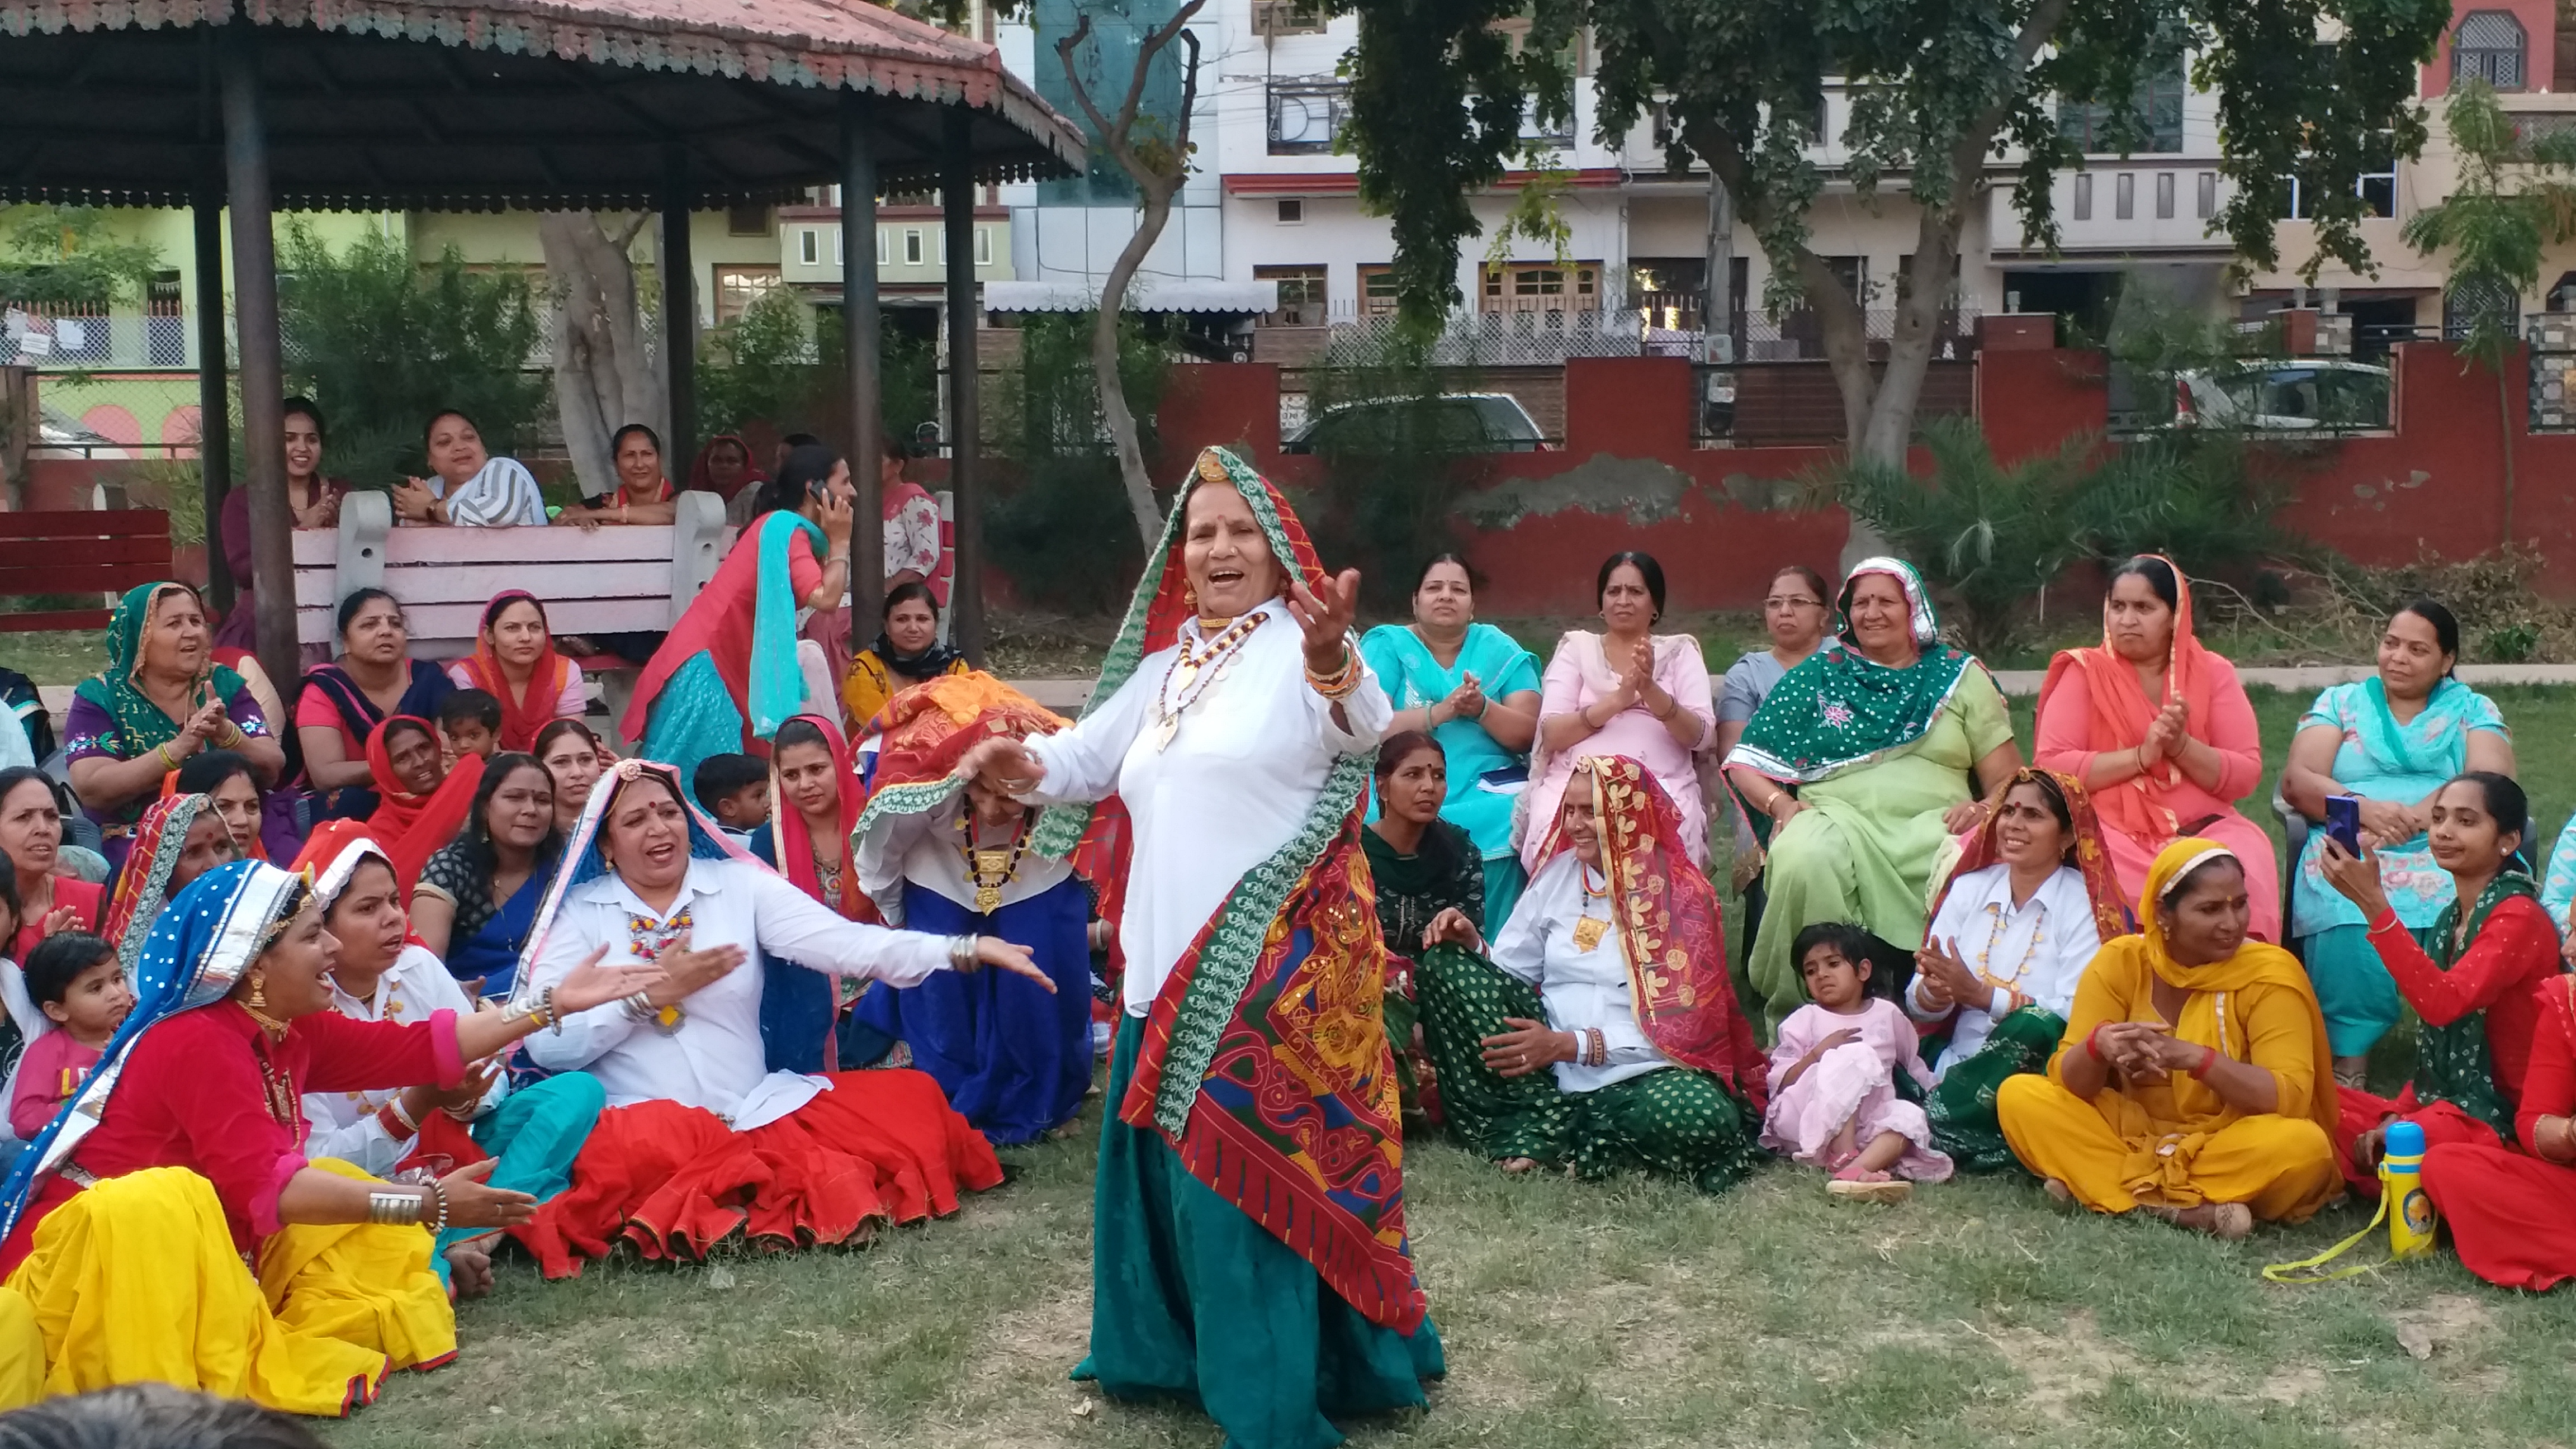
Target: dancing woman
point(1248, 1237)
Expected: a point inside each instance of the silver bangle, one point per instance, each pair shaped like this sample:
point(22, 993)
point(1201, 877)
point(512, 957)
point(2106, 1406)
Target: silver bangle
point(434, 1191)
point(961, 953)
point(639, 1007)
point(395, 1208)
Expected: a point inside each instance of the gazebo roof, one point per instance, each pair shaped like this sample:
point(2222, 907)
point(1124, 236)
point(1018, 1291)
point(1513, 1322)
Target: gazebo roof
point(487, 104)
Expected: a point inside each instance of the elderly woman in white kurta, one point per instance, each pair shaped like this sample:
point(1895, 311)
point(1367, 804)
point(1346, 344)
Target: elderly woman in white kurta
point(1248, 1239)
point(701, 1138)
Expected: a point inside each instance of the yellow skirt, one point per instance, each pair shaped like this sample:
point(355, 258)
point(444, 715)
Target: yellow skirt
point(135, 1280)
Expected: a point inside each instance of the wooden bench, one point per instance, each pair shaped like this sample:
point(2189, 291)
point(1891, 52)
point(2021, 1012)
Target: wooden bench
point(79, 551)
point(603, 581)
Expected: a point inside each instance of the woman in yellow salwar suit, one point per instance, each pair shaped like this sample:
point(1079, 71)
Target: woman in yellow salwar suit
point(167, 1226)
point(2192, 1082)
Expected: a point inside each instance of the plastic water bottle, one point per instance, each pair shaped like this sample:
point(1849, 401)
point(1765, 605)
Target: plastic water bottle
point(2401, 1186)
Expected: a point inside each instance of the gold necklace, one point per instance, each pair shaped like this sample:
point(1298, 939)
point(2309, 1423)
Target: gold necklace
point(1201, 668)
point(989, 868)
point(1588, 928)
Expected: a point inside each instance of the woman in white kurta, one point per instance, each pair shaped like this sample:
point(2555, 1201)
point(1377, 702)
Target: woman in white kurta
point(2032, 899)
point(701, 1138)
point(1248, 1235)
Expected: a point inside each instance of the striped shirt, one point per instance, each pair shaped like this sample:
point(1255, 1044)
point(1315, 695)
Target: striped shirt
point(503, 495)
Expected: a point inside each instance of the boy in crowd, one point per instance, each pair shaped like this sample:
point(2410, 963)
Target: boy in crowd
point(471, 720)
point(735, 790)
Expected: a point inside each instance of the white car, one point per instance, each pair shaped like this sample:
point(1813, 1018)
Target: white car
point(2302, 396)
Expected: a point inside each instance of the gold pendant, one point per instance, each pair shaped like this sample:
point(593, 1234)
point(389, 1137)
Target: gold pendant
point(988, 899)
point(1184, 672)
point(1163, 732)
point(1588, 932)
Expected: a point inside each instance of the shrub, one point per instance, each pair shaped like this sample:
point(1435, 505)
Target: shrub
point(1064, 533)
point(382, 343)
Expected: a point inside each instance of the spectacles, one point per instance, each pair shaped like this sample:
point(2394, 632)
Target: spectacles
point(1792, 603)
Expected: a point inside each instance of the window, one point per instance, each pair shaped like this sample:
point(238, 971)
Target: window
point(1542, 287)
point(2153, 123)
point(883, 256)
point(1287, 17)
point(1377, 291)
point(1292, 210)
point(983, 246)
point(165, 322)
point(2376, 187)
point(1302, 295)
point(2164, 196)
point(840, 247)
point(1306, 116)
point(2205, 205)
point(2488, 46)
point(747, 221)
point(912, 246)
point(2083, 196)
point(809, 246)
point(2469, 302)
point(737, 287)
point(2124, 196)
point(1558, 133)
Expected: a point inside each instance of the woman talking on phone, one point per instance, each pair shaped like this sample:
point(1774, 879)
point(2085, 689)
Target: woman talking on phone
point(730, 673)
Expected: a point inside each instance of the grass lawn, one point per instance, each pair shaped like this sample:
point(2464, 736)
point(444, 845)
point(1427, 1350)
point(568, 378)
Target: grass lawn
point(1614, 1314)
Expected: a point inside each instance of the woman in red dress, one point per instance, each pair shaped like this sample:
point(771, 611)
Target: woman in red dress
point(2513, 1217)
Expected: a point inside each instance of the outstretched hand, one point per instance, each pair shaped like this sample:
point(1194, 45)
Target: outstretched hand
point(1326, 618)
point(1012, 957)
point(591, 984)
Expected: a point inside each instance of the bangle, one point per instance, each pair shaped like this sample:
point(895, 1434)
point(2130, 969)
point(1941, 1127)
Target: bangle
point(167, 763)
point(2093, 1042)
point(396, 1122)
point(2208, 1059)
point(396, 1208)
point(434, 1192)
point(541, 1011)
point(1596, 1047)
point(1344, 679)
point(665, 1019)
point(962, 953)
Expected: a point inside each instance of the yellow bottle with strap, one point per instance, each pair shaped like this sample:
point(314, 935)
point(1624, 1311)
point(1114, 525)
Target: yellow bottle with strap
point(2402, 1202)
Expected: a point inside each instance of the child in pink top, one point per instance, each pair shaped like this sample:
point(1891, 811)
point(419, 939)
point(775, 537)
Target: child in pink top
point(74, 979)
point(1833, 1090)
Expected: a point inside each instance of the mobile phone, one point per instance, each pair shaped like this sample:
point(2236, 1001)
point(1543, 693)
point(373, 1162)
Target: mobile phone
point(2343, 822)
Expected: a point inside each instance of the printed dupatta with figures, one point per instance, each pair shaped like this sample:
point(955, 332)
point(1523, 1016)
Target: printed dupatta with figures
point(1265, 1063)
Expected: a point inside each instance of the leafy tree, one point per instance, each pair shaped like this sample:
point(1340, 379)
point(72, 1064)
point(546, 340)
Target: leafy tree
point(382, 343)
point(1939, 93)
point(69, 254)
point(2512, 201)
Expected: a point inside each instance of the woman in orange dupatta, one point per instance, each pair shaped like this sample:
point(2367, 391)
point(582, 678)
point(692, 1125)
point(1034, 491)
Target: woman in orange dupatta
point(2193, 1082)
point(515, 662)
point(2160, 732)
point(417, 811)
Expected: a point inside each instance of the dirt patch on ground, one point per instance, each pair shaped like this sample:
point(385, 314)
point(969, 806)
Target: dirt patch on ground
point(2058, 1365)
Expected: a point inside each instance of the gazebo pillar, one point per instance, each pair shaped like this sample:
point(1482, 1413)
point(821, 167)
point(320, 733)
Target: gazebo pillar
point(214, 409)
point(860, 323)
point(679, 316)
point(263, 382)
point(965, 438)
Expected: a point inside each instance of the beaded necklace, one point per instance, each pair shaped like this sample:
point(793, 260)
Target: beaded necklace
point(2038, 929)
point(1196, 672)
point(989, 868)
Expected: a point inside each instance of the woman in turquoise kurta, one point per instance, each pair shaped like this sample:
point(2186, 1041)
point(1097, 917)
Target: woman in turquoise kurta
point(1866, 757)
point(1473, 688)
point(2393, 739)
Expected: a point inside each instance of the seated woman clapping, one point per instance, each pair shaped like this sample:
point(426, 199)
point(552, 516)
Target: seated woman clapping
point(186, 1155)
point(384, 973)
point(701, 1139)
point(2192, 1082)
point(2471, 981)
point(1620, 988)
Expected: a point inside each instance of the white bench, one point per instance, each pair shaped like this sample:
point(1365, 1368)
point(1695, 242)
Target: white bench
point(600, 581)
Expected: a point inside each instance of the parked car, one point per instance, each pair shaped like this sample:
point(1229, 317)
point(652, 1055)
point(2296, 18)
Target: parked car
point(1459, 422)
point(2297, 396)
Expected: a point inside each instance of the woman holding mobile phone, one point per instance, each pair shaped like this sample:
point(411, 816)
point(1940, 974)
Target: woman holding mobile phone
point(2391, 740)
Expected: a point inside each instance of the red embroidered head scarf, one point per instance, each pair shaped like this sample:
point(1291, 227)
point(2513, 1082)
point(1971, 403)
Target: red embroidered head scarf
point(2084, 849)
point(796, 839)
point(1670, 924)
point(525, 712)
point(410, 827)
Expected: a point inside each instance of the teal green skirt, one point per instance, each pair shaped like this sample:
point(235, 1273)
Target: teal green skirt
point(1961, 1106)
point(1193, 1300)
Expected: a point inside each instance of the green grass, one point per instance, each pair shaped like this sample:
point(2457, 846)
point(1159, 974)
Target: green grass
point(1575, 1315)
point(55, 656)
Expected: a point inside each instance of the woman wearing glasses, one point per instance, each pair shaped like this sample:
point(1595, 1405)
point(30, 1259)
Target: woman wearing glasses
point(1793, 611)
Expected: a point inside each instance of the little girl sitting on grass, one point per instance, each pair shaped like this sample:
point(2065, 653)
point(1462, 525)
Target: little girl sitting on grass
point(1833, 1092)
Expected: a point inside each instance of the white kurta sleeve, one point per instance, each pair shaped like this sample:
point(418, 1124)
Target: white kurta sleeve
point(1082, 763)
point(798, 928)
point(586, 1035)
point(881, 858)
point(1520, 948)
point(1945, 926)
point(1366, 709)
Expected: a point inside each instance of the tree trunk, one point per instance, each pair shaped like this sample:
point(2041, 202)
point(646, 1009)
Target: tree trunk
point(605, 376)
point(1888, 429)
point(1104, 361)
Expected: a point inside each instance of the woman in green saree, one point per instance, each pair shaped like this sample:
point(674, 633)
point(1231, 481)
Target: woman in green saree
point(1867, 757)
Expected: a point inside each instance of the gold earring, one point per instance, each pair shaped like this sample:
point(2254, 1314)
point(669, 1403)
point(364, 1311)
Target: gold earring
point(258, 991)
point(1190, 597)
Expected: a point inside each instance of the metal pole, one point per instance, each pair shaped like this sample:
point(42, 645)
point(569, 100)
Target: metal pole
point(263, 383)
point(859, 342)
point(957, 204)
point(679, 314)
point(214, 410)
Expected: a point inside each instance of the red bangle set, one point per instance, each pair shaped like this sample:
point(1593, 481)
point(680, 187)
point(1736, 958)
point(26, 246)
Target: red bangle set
point(2208, 1059)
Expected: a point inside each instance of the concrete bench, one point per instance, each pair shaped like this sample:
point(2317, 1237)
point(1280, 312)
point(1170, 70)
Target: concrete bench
point(601, 581)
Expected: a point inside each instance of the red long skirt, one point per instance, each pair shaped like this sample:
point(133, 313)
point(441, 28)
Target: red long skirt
point(2512, 1217)
point(880, 1147)
point(2442, 1124)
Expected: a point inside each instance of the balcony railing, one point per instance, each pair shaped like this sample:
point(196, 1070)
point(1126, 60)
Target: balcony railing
point(67, 336)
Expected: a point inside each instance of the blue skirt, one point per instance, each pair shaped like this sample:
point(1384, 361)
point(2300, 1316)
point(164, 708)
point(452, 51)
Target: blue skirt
point(1013, 1060)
